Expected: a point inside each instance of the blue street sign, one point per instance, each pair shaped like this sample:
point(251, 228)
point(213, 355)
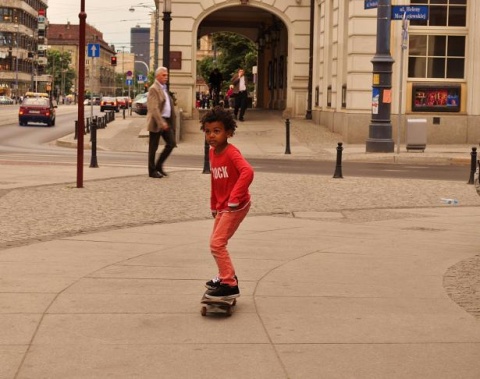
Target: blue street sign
point(129, 82)
point(141, 78)
point(370, 4)
point(93, 50)
point(412, 12)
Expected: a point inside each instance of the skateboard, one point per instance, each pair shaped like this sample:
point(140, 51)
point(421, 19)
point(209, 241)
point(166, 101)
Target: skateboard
point(220, 306)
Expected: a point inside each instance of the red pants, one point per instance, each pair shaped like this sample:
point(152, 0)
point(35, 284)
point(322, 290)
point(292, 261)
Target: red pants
point(224, 227)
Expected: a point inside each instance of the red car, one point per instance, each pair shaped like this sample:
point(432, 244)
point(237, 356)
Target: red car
point(37, 109)
point(123, 102)
point(109, 103)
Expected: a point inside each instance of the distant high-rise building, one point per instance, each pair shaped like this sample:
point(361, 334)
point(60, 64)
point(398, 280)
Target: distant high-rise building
point(140, 41)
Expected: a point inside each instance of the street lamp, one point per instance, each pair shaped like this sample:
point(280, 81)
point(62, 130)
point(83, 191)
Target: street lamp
point(167, 11)
point(156, 15)
point(16, 63)
point(380, 128)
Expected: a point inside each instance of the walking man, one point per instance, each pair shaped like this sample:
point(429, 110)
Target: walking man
point(160, 123)
point(239, 82)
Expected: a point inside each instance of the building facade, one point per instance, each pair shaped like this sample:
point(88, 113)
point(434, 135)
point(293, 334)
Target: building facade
point(432, 75)
point(140, 47)
point(19, 37)
point(315, 60)
point(99, 72)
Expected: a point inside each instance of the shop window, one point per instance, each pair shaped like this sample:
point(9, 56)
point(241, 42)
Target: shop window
point(434, 98)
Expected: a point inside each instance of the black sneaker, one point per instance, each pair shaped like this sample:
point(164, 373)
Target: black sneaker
point(223, 291)
point(212, 284)
point(215, 282)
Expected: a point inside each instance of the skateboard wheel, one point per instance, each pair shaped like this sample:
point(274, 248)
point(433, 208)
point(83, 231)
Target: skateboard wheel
point(229, 311)
point(203, 311)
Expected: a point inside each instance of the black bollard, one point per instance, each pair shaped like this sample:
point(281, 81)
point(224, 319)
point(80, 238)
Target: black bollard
point(206, 159)
point(93, 139)
point(75, 136)
point(124, 113)
point(473, 165)
point(287, 136)
point(338, 167)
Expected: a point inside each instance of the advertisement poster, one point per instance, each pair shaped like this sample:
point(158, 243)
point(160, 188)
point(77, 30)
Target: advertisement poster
point(375, 100)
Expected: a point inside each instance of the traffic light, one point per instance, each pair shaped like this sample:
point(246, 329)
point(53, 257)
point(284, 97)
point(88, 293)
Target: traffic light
point(113, 61)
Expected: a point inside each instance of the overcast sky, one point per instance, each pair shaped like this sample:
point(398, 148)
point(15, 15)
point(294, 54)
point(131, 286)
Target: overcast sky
point(111, 17)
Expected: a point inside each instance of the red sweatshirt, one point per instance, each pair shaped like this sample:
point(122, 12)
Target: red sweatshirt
point(231, 176)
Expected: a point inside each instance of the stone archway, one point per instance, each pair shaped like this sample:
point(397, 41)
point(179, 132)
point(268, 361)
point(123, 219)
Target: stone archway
point(282, 82)
point(269, 33)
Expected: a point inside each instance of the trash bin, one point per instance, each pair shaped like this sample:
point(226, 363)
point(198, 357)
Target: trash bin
point(416, 134)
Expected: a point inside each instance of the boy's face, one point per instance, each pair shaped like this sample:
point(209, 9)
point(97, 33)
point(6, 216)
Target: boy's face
point(216, 135)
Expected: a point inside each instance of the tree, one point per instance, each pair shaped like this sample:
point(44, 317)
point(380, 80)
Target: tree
point(59, 66)
point(233, 51)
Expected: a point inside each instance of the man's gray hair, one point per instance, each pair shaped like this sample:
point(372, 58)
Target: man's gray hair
point(159, 70)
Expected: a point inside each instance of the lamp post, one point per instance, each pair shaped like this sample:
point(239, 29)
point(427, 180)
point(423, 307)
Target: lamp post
point(156, 14)
point(167, 11)
point(16, 63)
point(380, 128)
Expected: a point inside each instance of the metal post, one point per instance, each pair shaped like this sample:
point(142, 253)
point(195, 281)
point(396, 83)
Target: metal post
point(400, 96)
point(206, 159)
point(308, 115)
point(473, 165)
point(338, 166)
point(380, 128)
point(93, 138)
point(287, 136)
point(81, 92)
point(166, 34)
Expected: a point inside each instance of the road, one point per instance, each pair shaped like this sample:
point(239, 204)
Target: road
point(32, 144)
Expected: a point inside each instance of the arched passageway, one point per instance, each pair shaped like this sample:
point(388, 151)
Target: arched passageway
point(269, 33)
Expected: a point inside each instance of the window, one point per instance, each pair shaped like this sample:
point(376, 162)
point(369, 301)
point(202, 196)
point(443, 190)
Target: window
point(434, 55)
point(443, 13)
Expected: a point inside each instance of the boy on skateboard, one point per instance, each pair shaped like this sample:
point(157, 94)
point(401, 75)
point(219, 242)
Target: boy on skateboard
point(231, 175)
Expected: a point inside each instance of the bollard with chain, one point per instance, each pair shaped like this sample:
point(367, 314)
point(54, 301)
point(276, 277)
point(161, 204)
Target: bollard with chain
point(473, 165)
point(206, 159)
point(93, 139)
point(287, 136)
point(338, 167)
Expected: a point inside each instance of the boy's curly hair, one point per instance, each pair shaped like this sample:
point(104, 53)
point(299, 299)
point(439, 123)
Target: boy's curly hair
point(222, 115)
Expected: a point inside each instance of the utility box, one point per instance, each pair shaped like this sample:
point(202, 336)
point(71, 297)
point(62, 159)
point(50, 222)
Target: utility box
point(416, 134)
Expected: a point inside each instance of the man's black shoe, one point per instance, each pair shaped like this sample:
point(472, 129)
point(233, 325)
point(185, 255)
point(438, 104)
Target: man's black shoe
point(241, 119)
point(163, 173)
point(156, 174)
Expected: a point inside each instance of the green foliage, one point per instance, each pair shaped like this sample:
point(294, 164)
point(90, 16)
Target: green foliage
point(59, 66)
point(233, 51)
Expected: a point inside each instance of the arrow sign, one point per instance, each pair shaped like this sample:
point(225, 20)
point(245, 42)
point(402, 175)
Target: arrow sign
point(129, 82)
point(93, 50)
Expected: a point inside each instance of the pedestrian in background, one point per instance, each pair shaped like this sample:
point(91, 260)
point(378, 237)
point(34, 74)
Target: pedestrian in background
point(231, 176)
point(239, 82)
point(229, 98)
point(160, 123)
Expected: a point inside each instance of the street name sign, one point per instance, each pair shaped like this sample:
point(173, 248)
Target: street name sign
point(370, 4)
point(412, 12)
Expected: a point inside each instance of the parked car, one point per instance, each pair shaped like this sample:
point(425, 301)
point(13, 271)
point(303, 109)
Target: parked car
point(6, 100)
point(122, 102)
point(109, 103)
point(37, 109)
point(139, 105)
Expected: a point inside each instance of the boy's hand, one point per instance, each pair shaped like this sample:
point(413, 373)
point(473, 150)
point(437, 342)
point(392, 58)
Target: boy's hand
point(214, 214)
